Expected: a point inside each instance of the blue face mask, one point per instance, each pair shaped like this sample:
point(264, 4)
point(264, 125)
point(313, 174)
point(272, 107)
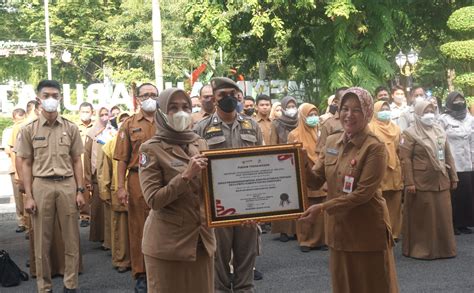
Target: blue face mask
point(312, 121)
point(384, 115)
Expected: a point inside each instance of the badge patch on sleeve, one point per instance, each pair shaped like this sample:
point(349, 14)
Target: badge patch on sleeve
point(143, 159)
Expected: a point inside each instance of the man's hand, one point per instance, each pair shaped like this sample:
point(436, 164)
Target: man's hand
point(411, 189)
point(30, 205)
point(80, 201)
point(122, 195)
point(310, 215)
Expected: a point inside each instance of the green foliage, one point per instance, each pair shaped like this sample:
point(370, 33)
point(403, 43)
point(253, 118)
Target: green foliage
point(462, 20)
point(459, 50)
point(465, 80)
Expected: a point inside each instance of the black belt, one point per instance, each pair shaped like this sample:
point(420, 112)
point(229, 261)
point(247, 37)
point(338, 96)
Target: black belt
point(134, 169)
point(55, 178)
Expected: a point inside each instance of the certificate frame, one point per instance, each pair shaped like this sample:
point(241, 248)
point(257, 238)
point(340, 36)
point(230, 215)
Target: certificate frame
point(293, 151)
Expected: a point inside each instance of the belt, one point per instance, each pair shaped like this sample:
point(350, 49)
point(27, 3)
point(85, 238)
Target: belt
point(134, 169)
point(55, 178)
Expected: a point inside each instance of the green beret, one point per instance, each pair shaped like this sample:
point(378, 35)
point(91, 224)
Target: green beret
point(218, 83)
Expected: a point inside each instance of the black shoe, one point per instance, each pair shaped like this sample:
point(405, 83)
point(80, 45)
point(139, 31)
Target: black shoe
point(20, 229)
point(84, 223)
point(122, 270)
point(27, 235)
point(322, 248)
point(140, 285)
point(257, 275)
point(27, 264)
point(66, 290)
point(456, 231)
point(284, 237)
point(465, 230)
point(305, 248)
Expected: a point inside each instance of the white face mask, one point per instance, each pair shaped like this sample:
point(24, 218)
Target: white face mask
point(180, 121)
point(149, 105)
point(399, 99)
point(50, 105)
point(196, 109)
point(85, 117)
point(291, 112)
point(419, 99)
point(428, 119)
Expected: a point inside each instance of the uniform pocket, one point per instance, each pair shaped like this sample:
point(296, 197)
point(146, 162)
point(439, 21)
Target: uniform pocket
point(419, 166)
point(64, 144)
point(249, 138)
point(170, 217)
point(40, 148)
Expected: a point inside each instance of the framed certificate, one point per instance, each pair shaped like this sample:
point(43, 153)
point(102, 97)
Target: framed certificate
point(264, 183)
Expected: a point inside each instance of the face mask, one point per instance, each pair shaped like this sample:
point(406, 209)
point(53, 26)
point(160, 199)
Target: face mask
point(149, 105)
point(332, 109)
point(104, 118)
point(384, 115)
point(50, 105)
point(228, 103)
point(196, 109)
point(312, 121)
point(180, 121)
point(85, 117)
point(459, 105)
point(428, 119)
point(249, 112)
point(399, 99)
point(291, 112)
point(418, 99)
point(384, 98)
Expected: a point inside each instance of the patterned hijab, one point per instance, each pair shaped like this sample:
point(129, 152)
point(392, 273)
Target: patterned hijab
point(365, 100)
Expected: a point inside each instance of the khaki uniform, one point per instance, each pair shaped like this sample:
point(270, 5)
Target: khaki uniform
point(199, 116)
point(21, 215)
point(328, 127)
point(134, 131)
point(266, 127)
point(428, 231)
point(97, 223)
point(241, 241)
point(358, 225)
point(51, 149)
point(177, 244)
point(85, 211)
point(108, 184)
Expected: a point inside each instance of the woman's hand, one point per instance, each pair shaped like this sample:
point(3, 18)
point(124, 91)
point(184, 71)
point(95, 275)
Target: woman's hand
point(249, 224)
point(195, 165)
point(411, 189)
point(310, 215)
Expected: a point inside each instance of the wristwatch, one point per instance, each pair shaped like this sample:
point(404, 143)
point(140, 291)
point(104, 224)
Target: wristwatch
point(80, 189)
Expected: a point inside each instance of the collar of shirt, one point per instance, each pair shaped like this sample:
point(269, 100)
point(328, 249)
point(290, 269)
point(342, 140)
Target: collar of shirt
point(217, 120)
point(88, 125)
point(43, 120)
point(357, 139)
point(260, 118)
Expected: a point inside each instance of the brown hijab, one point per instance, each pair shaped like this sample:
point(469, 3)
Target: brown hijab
point(429, 137)
point(163, 130)
point(388, 132)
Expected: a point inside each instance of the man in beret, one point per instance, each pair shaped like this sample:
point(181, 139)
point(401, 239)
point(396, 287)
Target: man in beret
point(226, 128)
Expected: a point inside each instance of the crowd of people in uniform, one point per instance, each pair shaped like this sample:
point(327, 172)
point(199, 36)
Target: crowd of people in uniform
point(379, 170)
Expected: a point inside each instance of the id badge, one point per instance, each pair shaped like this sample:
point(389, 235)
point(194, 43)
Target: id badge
point(348, 184)
point(440, 154)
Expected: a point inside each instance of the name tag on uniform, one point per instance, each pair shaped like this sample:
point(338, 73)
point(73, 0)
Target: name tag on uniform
point(440, 154)
point(39, 138)
point(177, 163)
point(333, 152)
point(348, 184)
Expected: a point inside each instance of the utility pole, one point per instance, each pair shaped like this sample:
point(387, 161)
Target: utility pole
point(48, 40)
point(157, 43)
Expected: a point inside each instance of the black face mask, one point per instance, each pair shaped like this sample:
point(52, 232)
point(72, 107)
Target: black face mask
point(249, 112)
point(227, 103)
point(459, 106)
point(332, 109)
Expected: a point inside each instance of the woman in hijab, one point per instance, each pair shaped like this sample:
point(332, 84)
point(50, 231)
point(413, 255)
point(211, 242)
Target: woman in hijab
point(429, 174)
point(280, 129)
point(286, 122)
point(392, 183)
point(275, 111)
point(309, 235)
point(459, 127)
point(357, 222)
point(179, 255)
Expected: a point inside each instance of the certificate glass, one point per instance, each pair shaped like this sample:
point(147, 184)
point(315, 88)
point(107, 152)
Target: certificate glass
point(258, 183)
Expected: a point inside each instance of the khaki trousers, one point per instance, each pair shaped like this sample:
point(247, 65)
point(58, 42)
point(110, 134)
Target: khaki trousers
point(164, 276)
point(96, 232)
point(137, 214)
point(120, 242)
point(19, 204)
point(107, 225)
point(241, 242)
point(55, 199)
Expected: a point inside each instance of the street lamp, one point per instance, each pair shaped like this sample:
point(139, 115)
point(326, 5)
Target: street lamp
point(406, 62)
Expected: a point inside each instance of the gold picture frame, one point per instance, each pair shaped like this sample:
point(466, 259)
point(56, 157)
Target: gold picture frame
point(251, 181)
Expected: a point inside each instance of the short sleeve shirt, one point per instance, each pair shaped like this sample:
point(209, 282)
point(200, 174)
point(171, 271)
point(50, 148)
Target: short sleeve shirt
point(51, 148)
point(134, 131)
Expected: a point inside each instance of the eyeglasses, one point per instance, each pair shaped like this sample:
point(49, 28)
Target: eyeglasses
point(147, 96)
